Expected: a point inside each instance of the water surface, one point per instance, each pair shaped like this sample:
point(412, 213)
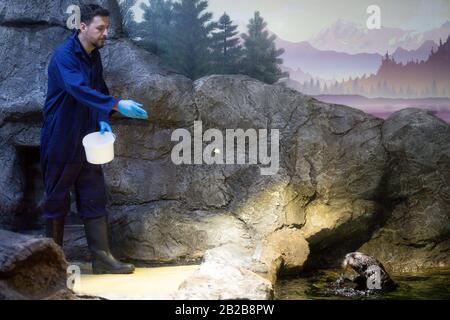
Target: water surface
point(430, 285)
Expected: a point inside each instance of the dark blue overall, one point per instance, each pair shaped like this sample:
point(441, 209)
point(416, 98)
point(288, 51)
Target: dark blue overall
point(77, 99)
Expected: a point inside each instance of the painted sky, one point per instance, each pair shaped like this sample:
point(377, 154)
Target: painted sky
point(298, 20)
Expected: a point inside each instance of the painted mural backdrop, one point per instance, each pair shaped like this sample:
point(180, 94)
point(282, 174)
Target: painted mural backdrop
point(379, 56)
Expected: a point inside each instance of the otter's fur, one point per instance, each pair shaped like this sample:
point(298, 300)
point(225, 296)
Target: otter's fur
point(368, 267)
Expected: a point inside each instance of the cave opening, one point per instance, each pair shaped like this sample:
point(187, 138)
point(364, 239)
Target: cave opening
point(28, 215)
point(29, 211)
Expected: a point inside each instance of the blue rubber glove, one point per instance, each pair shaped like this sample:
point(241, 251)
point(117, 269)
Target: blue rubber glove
point(132, 109)
point(104, 126)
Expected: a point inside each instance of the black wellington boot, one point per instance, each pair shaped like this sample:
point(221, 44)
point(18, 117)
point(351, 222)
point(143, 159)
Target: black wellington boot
point(97, 239)
point(54, 228)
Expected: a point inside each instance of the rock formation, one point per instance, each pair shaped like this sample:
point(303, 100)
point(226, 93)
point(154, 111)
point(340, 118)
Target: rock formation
point(31, 268)
point(346, 179)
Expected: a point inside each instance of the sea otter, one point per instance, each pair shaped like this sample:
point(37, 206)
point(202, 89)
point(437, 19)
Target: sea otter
point(371, 273)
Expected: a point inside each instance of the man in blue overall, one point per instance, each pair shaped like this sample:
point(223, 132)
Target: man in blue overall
point(78, 103)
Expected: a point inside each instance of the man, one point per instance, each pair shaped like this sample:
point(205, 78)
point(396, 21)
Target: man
point(78, 103)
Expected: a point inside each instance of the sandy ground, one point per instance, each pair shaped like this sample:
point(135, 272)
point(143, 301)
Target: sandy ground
point(145, 283)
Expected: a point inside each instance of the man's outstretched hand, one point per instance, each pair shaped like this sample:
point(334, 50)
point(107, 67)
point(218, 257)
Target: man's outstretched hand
point(131, 109)
point(104, 126)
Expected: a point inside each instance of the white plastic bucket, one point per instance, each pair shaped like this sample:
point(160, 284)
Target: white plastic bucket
point(99, 147)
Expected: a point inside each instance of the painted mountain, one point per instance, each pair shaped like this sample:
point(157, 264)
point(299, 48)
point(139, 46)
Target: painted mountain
point(430, 78)
point(343, 36)
point(297, 74)
point(420, 54)
point(343, 64)
point(335, 65)
point(327, 64)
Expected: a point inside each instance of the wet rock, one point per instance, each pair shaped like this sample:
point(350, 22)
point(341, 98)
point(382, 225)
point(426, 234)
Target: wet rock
point(225, 273)
point(286, 247)
point(252, 266)
point(219, 282)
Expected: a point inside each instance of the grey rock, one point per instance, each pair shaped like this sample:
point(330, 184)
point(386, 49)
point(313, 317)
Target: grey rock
point(416, 234)
point(165, 232)
point(23, 77)
point(30, 268)
point(134, 73)
point(22, 93)
point(332, 159)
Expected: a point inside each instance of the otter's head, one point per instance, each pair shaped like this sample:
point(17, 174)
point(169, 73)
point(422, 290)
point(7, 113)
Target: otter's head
point(358, 261)
point(349, 260)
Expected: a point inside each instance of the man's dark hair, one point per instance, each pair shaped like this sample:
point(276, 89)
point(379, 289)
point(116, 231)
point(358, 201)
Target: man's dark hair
point(89, 11)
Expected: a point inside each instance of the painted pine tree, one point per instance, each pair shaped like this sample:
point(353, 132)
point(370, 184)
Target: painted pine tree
point(226, 48)
point(261, 57)
point(154, 29)
point(129, 24)
point(189, 39)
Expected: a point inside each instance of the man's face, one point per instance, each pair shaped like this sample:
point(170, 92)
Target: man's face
point(97, 31)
